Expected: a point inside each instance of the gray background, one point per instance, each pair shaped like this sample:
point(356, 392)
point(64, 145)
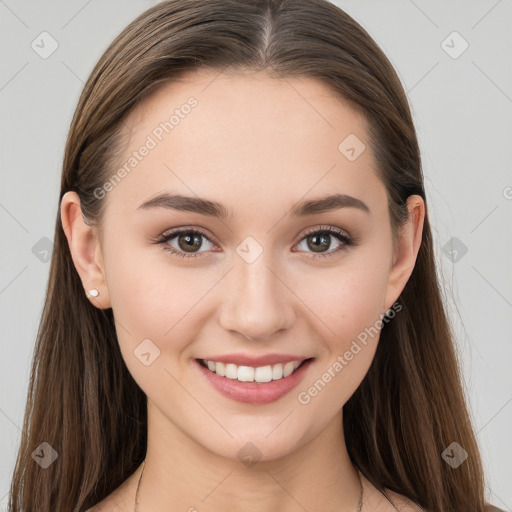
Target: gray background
point(462, 109)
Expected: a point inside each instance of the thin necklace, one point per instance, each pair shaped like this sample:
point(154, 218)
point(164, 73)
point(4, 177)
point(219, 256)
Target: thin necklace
point(138, 486)
point(358, 509)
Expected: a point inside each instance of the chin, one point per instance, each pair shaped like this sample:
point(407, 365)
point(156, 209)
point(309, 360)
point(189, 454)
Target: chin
point(251, 445)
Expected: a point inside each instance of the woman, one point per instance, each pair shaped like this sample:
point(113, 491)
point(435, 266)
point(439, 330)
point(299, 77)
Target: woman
point(243, 308)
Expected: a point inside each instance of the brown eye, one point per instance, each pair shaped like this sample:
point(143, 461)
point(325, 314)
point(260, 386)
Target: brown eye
point(319, 243)
point(185, 243)
point(189, 242)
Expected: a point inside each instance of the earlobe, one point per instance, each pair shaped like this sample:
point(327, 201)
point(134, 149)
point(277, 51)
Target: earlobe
point(407, 249)
point(85, 250)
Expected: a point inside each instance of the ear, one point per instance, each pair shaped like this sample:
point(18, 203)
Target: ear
point(85, 249)
point(406, 252)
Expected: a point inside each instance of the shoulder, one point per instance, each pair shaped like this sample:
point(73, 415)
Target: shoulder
point(389, 501)
point(117, 501)
point(107, 505)
point(402, 503)
point(121, 499)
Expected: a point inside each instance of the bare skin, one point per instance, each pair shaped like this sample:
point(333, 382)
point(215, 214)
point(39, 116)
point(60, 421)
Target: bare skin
point(123, 499)
point(258, 145)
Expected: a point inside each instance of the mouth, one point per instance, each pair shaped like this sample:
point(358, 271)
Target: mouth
point(253, 384)
point(244, 373)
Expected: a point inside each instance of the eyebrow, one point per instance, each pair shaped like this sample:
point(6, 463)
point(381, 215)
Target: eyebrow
point(215, 209)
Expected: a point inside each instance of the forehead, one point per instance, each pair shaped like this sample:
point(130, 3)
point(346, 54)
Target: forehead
point(233, 135)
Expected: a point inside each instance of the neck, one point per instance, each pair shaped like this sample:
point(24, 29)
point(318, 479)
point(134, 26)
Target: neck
point(178, 471)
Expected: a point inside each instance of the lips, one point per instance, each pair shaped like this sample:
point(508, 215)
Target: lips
point(251, 383)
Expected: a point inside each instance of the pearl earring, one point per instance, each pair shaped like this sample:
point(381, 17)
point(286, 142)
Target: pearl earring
point(92, 293)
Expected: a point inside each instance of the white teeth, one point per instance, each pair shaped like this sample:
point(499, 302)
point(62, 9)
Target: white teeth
point(245, 373)
point(263, 374)
point(277, 372)
point(288, 369)
point(231, 371)
point(250, 374)
point(220, 369)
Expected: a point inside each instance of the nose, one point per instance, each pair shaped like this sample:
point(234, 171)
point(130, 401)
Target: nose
point(256, 301)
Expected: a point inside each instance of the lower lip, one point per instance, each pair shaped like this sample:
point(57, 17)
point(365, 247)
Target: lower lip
point(254, 392)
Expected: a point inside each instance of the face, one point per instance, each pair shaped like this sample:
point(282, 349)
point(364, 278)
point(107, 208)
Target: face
point(273, 279)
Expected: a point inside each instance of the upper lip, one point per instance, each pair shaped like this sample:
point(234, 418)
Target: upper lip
point(256, 361)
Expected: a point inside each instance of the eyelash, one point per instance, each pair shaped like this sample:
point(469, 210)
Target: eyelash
point(339, 234)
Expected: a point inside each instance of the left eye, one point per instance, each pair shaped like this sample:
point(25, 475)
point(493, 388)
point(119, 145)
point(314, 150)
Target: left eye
point(189, 240)
point(320, 239)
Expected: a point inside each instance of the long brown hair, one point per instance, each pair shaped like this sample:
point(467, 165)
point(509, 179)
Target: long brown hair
point(83, 401)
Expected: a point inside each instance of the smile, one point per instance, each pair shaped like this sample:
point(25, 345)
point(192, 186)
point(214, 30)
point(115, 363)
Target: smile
point(251, 374)
point(253, 384)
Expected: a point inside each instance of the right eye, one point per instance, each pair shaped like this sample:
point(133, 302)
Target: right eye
point(187, 241)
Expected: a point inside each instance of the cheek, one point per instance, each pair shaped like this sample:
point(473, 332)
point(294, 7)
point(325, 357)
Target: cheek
point(349, 302)
point(351, 308)
point(349, 298)
point(156, 300)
